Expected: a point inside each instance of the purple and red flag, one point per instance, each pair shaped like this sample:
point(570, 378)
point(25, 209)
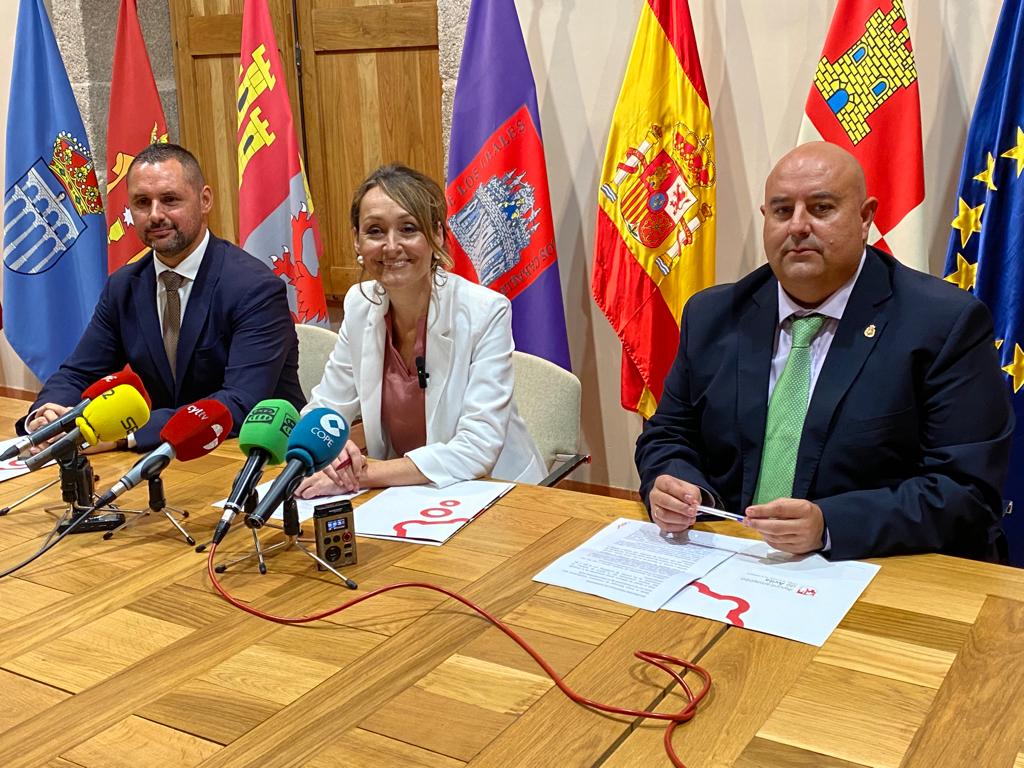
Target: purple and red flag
point(499, 211)
point(865, 99)
point(134, 121)
point(276, 219)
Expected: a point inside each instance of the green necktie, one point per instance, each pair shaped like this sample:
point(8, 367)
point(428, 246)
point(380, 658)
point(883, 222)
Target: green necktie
point(786, 412)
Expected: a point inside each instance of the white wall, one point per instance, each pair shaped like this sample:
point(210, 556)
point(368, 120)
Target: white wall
point(758, 59)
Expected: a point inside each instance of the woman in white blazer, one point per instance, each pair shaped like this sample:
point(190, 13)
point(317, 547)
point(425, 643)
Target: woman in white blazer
point(445, 340)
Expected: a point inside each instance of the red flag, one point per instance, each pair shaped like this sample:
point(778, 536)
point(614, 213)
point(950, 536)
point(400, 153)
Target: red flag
point(276, 220)
point(865, 99)
point(135, 120)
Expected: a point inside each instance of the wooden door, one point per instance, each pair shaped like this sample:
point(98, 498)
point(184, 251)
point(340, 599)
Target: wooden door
point(207, 38)
point(372, 95)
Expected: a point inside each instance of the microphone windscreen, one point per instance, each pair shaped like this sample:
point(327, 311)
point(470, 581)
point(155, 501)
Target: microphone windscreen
point(112, 415)
point(318, 438)
point(268, 426)
point(197, 428)
point(127, 377)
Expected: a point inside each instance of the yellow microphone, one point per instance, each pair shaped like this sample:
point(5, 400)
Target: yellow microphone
point(109, 417)
point(112, 415)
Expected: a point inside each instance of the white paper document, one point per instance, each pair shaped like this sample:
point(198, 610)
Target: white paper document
point(802, 598)
point(305, 506)
point(425, 515)
point(631, 562)
point(14, 467)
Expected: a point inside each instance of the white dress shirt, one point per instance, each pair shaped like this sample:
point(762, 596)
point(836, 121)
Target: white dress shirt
point(188, 268)
point(832, 308)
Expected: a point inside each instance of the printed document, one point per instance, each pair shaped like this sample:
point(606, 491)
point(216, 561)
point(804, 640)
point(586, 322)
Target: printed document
point(632, 562)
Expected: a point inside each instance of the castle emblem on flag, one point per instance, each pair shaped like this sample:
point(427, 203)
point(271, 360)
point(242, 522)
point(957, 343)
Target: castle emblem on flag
point(872, 70)
point(656, 186)
point(43, 215)
point(495, 226)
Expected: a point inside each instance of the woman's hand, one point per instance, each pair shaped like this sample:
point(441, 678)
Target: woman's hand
point(343, 475)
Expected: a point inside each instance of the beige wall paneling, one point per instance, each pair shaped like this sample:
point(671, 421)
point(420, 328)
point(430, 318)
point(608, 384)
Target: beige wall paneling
point(372, 96)
point(207, 37)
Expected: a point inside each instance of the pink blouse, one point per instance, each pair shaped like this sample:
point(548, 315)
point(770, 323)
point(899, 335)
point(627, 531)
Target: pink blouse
point(403, 402)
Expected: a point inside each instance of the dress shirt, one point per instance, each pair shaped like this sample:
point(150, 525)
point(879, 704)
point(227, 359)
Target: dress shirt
point(188, 268)
point(832, 308)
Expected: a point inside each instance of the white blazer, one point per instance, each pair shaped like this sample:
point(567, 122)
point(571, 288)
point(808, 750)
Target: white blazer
point(473, 428)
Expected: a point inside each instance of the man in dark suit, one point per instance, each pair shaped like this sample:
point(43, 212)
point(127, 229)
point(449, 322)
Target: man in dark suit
point(197, 317)
point(845, 403)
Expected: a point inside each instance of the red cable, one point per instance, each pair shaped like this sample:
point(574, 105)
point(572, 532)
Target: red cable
point(659, 660)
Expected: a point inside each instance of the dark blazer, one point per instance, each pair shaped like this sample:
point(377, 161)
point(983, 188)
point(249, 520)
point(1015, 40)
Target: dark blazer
point(906, 443)
point(237, 342)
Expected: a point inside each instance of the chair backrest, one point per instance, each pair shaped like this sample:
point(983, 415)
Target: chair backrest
point(548, 398)
point(315, 347)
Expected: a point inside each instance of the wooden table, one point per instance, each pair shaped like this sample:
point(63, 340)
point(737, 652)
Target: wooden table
point(119, 653)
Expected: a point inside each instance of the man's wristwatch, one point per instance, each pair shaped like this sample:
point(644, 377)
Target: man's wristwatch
point(122, 444)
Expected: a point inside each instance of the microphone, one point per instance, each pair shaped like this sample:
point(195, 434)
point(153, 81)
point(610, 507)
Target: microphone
point(264, 439)
point(54, 428)
point(192, 431)
point(111, 416)
point(314, 443)
point(421, 372)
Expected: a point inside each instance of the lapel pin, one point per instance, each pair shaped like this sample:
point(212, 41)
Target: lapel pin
point(869, 332)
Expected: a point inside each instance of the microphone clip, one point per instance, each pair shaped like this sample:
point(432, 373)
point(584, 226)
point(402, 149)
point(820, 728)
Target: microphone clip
point(421, 372)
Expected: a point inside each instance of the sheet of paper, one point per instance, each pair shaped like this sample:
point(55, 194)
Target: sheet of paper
point(802, 598)
point(16, 467)
point(426, 515)
point(631, 562)
point(305, 506)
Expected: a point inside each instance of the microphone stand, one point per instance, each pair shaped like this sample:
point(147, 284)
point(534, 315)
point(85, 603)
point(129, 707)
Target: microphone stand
point(78, 491)
point(292, 532)
point(157, 504)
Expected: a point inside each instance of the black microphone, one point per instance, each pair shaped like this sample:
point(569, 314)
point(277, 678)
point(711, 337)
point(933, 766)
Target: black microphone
point(264, 439)
point(314, 443)
point(421, 372)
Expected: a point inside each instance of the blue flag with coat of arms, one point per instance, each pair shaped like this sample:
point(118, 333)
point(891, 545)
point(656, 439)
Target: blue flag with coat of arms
point(986, 247)
point(55, 250)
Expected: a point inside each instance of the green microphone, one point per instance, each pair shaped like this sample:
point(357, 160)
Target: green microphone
point(264, 439)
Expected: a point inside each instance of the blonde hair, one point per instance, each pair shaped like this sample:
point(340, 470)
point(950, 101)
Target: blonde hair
point(420, 196)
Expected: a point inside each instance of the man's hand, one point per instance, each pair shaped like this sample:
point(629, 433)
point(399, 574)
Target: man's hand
point(790, 525)
point(343, 475)
point(674, 503)
point(42, 416)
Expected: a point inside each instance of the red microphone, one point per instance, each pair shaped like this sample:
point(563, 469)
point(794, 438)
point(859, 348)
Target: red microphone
point(129, 377)
point(193, 431)
point(65, 422)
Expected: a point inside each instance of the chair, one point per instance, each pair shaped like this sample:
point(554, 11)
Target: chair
point(548, 398)
point(315, 347)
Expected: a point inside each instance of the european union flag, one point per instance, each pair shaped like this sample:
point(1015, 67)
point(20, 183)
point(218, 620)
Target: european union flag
point(55, 247)
point(986, 248)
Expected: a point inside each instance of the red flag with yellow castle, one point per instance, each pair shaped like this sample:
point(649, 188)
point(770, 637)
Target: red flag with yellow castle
point(655, 241)
point(865, 99)
point(134, 121)
point(276, 219)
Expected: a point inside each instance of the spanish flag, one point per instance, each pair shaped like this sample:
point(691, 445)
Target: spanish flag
point(655, 241)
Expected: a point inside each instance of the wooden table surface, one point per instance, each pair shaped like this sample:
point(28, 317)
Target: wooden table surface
point(119, 653)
